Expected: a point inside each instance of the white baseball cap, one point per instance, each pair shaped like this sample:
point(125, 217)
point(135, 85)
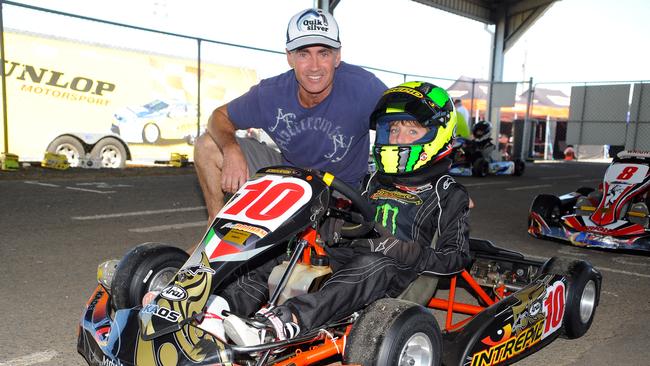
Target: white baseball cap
point(311, 27)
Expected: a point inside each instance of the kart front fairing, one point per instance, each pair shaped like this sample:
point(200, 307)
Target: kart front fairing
point(266, 212)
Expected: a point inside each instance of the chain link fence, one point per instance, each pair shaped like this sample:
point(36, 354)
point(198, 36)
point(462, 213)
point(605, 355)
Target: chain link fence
point(67, 75)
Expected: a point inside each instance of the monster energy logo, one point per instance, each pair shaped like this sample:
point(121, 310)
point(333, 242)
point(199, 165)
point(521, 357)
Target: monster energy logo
point(384, 213)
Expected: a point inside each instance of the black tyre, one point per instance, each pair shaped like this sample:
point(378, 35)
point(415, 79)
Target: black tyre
point(520, 167)
point(548, 207)
point(147, 267)
point(150, 133)
point(394, 332)
point(110, 152)
point(584, 191)
point(583, 293)
point(480, 167)
point(69, 146)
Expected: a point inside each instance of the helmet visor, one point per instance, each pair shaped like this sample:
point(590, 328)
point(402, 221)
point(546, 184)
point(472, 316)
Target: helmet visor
point(409, 101)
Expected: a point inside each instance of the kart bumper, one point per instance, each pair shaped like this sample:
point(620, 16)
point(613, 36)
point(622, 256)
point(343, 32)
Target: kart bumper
point(105, 340)
point(539, 228)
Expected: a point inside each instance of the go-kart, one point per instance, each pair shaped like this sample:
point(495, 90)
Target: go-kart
point(613, 216)
point(514, 306)
point(468, 160)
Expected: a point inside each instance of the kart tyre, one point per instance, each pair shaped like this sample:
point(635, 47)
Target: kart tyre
point(394, 332)
point(548, 207)
point(69, 146)
point(147, 267)
point(480, 167)
point(584, 191)
point(583, 293)
point(110, 152)
point(520, 166)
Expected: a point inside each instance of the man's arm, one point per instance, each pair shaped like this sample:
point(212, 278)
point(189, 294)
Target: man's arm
point(234, 170)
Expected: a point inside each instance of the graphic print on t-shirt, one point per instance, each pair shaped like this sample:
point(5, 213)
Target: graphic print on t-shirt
point(286, 129)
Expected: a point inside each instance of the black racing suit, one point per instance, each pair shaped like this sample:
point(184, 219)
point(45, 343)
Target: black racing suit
point(365, 272)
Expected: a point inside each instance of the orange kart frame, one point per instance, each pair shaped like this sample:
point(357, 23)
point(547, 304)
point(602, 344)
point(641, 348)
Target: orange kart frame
point(333, 346)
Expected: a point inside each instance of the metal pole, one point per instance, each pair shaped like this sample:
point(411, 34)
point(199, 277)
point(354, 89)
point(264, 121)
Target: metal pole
point(638, 116)
point(471, 107)
point(198, 92)
point(5, 120)
point(528, 131)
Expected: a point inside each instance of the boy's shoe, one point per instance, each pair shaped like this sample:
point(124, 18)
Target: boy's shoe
point(278, 319)
point(281, 320)
point(213, 316)
point(240, 332)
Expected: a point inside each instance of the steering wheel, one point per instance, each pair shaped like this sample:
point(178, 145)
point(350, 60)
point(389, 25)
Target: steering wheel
point(361, 223)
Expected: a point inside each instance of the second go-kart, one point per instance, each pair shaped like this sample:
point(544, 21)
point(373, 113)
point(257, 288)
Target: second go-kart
point(469, 160)
point(514, 306)
point(613, 216)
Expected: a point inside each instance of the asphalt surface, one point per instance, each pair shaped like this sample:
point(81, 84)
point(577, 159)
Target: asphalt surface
point(55, 227)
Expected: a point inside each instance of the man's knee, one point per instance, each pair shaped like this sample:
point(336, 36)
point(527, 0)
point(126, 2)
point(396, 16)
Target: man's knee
point(205, 149)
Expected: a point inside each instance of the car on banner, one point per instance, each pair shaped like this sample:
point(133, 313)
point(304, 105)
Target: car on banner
point(514, 306)
point(613, 216)
point(155, 121)
point(468, 161)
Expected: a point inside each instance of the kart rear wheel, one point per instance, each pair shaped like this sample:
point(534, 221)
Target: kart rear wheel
point(147, 267)
point(583, 294)
point(480, 167)
point(548, 207)
point(394, 332)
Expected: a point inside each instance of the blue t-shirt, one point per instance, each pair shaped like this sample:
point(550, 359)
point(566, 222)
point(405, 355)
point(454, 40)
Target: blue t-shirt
point(331, 136)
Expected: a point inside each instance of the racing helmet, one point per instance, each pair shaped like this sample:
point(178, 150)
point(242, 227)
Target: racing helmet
point(481, 130)
point(419, 101)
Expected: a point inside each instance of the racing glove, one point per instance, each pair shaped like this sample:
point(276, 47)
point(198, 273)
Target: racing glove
point(405, 252)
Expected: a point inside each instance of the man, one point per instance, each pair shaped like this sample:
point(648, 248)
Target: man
point(316, 113)
point(462, 125)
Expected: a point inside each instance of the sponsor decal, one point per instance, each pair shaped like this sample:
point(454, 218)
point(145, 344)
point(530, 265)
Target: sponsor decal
point(403, 197)
point(109, 362)
point(236, 236)
point(386, 212)
point(247, 228)
point(162, 312)
point(310, 23)
point(402, 89)
point(510, 347)
point(281, 171)
point(415, 190)
point(195, 270)
point(528, 311)
point(174, 293)
point(95, 300)
point(448, 181)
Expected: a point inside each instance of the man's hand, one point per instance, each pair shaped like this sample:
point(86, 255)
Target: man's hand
point(235, 169)
point(405, 252)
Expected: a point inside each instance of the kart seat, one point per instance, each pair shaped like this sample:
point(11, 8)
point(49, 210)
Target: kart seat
point(422, 289)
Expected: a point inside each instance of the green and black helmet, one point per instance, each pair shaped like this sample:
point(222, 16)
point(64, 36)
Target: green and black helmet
point(425, 103)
